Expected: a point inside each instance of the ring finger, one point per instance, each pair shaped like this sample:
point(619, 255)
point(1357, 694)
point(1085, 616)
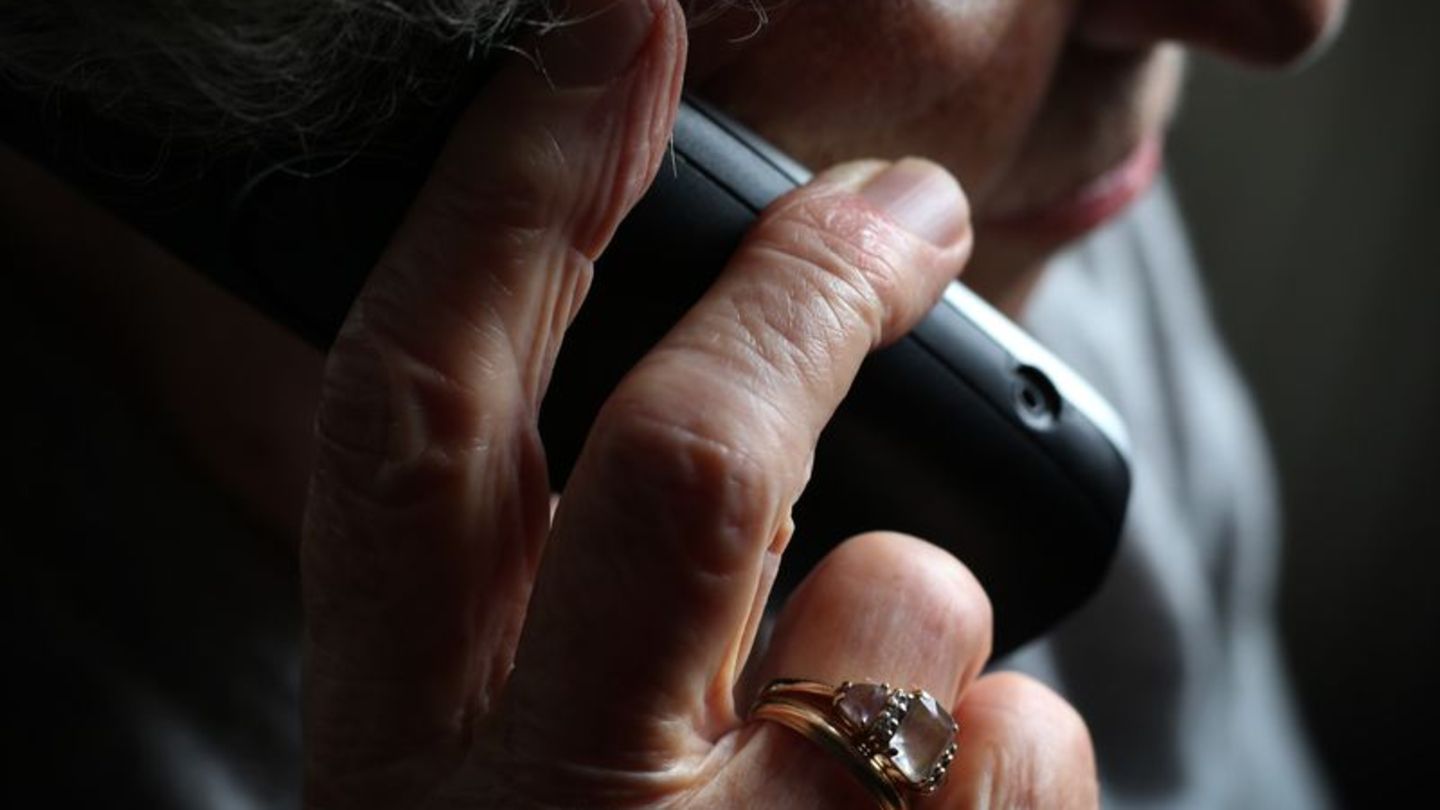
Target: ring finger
point(890, 608)
point(882, 608)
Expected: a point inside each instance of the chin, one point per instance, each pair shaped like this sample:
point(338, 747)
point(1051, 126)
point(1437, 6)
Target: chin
point(1011, 252)
point(1096, 149)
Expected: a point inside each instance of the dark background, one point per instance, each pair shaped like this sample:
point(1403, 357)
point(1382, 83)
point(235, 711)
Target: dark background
point(1314, 206)
point(1312, 199)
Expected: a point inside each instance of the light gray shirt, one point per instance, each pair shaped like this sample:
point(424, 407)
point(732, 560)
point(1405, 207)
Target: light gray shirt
point(1175, 664)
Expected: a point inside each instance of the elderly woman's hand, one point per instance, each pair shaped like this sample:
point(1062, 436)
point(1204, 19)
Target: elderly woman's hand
point(464, 649)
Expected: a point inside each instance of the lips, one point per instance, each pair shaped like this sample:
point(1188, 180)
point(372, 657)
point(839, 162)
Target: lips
point(1086, 208)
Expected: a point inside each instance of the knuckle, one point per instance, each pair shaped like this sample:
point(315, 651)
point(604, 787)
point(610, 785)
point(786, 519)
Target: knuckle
point(1062, 725)
point(947, 599)
point(700, 482)
point(1010, 780)
point(394, 429)
point(948, 582)
point(846, 258)
point(515, 176)
point(777, 333)
point(1045, 757)
point(964, 613)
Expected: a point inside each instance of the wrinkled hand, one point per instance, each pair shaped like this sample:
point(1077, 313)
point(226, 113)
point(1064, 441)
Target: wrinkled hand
point(466, 650)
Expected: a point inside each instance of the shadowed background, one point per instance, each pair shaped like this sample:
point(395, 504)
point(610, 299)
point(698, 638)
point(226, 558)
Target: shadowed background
point(1312, 200)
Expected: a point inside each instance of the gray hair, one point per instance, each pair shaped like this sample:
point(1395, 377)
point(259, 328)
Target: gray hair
point(291, 73)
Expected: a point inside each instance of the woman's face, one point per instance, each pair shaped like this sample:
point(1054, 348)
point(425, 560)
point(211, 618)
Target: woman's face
point(1051, 112)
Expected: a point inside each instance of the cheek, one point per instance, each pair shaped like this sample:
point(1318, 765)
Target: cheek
point(956, 81)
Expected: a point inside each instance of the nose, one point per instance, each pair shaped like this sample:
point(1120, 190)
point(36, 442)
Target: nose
point(1267, 33)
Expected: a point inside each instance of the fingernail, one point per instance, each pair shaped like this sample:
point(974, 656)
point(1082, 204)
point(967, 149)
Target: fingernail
point(922, 197)
point(595, 41)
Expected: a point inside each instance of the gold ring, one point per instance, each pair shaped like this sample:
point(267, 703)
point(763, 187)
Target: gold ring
point(896, 742)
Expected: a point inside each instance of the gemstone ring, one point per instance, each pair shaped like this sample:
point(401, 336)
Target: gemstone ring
point(897, 742)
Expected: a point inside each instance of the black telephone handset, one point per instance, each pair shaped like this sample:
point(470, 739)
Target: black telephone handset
point(966, 432)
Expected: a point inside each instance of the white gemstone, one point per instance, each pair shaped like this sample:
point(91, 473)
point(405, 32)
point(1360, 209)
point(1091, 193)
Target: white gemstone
point(861, 702)
point(924, 734)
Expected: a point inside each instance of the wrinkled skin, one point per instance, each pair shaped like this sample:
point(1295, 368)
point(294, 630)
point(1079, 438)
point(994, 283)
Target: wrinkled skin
point(1024, 100)
point(466, 649)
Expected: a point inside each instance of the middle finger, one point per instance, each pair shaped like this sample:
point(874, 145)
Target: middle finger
point(654, 572)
